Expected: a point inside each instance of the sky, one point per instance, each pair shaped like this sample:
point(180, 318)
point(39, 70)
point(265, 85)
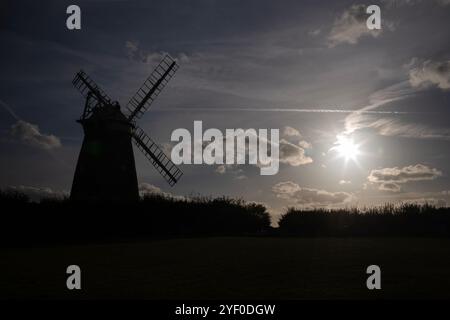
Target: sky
point(363, 114)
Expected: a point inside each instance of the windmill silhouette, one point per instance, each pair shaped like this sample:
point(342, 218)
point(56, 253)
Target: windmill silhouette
point(106, 169)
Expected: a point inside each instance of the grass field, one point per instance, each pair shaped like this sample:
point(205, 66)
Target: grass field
point(232, 268)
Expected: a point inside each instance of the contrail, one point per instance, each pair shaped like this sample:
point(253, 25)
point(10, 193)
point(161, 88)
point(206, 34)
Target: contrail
point(232, 109)
point(10, 110)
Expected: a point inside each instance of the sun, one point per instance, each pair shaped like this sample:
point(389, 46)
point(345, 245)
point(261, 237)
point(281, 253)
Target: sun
point(346, 148)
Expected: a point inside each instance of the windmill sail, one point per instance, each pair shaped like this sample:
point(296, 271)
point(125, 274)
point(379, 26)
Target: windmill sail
point(151, 88)
point(91, 91)
point(170, 172)
point(85, 85)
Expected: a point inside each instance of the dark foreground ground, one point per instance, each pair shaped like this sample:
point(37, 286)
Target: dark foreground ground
point(232, 268)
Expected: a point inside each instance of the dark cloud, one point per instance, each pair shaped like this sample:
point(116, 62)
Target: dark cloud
point(292, 154)
point(431, 73)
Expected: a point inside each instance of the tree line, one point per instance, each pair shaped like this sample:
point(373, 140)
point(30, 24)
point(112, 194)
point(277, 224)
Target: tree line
point(24, 222)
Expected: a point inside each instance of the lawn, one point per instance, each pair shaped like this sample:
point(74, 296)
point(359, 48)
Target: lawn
point(232, 268)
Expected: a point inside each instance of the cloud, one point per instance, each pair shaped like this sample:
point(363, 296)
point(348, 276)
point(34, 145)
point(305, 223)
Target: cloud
point(221, 169)
point(29, 134)
point(401, 3)
point(146, 188)
point(439, 199)
point(363, 119)
point(232, 169)
point(360, 120)
point(440, 203)
point(418, 172)
point(292, 154)
point(149, 189)
point(351, 26)
point(389, 187)
point(315, 32)
point(291, 132)
point(309, 197)
point(305, 145)
point(396, 128)
point(131, 49)
point(391, 3)
point(135, 53)
point(344, 182)
point(431, 73)
point(37, 193)
point(289, 153)
point(294, 134)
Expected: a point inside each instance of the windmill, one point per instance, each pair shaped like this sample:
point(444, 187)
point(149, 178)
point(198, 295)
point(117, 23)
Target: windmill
point(106, 169)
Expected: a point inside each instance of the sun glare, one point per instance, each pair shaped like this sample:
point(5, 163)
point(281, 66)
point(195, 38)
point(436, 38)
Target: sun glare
point(346, 148)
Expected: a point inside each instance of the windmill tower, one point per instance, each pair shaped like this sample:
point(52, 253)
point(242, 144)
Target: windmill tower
point(106, 169)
